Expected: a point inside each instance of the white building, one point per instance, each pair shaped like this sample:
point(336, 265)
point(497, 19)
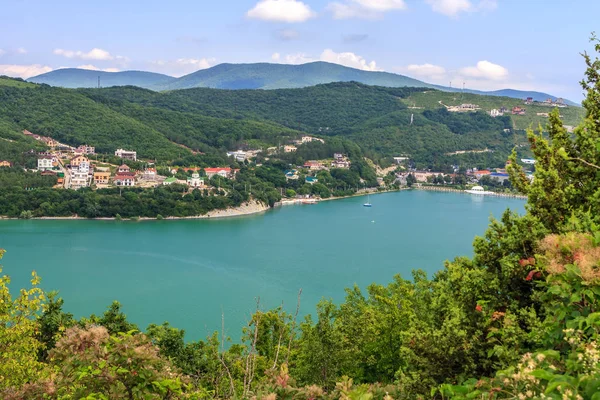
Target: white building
point(308, 139)
point(195, 181)
point(126, 154)
point(125, 180)
point(84, 166)
point(496, 113)
point(238, 155)
point(289, 148)
point(46, 162)
point(529, 161)
point(79, 179)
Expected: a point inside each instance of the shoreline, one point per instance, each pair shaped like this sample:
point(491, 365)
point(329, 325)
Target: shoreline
point(254, 207)
point(250, 208)
point(453, 190)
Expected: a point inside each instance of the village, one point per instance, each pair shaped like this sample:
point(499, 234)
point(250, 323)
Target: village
point(75, 169)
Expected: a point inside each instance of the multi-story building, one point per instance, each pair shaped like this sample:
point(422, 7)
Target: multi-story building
point(126, 154)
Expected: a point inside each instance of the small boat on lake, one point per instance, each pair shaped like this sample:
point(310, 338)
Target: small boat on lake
point(478, 190)
point(368, 203)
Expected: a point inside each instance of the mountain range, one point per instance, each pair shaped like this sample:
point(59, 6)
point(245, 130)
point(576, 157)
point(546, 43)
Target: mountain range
point(255, 76)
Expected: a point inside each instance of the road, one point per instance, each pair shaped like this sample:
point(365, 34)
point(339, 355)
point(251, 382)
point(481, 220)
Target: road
point(67, 183)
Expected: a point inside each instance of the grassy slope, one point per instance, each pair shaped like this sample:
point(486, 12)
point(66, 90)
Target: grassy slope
point(9, 82)
point(430, 100)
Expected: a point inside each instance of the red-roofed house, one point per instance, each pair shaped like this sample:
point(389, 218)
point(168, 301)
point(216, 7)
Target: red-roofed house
point(483, 172)
point(124, 180)
point(123, 168)
point(313, 165)
point(225, 172)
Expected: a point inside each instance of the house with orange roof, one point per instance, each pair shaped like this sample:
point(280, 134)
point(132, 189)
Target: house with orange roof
point(225, 172)
point(75, 161)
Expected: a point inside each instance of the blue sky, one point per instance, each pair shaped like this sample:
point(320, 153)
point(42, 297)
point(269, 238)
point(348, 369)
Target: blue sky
point(488, 44)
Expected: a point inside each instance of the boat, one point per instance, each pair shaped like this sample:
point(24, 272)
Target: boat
point(478, 190)
point(309, 201)
point(368, 203)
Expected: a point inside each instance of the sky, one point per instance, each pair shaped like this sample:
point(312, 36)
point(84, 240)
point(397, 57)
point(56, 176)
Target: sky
point(487, 44)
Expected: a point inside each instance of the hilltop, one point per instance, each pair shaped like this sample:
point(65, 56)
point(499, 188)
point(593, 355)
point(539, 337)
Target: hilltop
point(84, 78)
point(255, 76)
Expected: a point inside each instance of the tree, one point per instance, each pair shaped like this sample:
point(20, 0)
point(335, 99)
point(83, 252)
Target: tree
point(410, 180)
point(566, 170)
point(19, 343)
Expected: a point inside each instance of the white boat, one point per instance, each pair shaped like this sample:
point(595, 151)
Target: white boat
point(368, 203)
point(478, 190)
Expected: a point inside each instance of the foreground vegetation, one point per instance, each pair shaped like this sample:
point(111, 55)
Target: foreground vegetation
point(518, 320)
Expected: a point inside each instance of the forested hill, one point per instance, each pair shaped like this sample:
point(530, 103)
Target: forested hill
point(172, 124)
point(254, 76)
point(84, 78)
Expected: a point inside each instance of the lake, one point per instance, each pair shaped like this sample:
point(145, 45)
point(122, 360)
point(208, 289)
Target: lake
point(188, 272)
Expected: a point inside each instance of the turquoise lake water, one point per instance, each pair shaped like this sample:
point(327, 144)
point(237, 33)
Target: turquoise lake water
point(189, 271)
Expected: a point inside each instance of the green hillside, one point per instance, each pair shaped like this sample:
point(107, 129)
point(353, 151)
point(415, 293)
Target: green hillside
point(430, 99)
point(171, 125)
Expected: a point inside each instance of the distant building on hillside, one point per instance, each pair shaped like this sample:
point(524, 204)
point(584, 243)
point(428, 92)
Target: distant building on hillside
point(495, 113)
point(46, 162)
point(75, 161)
point(101, 177)
point(529, 161)
point(238, 155)
point(225, 172)
point(5, 163)
point(85, 149)
point(289, 148)
point(308, 139)
point(126, 154)
point(124, 180)
point(529, 100)
point(195, 181)
point(516, 110)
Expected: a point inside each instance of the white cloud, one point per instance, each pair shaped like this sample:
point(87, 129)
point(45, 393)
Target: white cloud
point(94, 68)
point(298, 58)
point(367, 9)
point(21, 50)
point(24, 71)
point(347, 59)
point(290, 11)
point(2, 52)
point(428, 71)
point(94, 54)
point(453, 8)
point(182, 66)
point(485, 70)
